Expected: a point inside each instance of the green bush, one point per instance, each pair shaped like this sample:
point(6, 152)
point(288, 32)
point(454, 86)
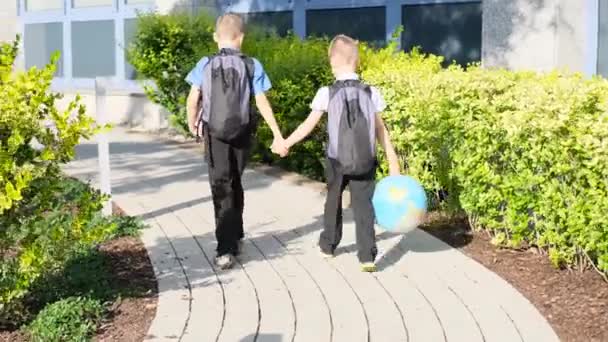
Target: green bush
point(44, 218)
point(72, 319)
point(29, 116)
point(164, 50)
point(56, 221)
point(86, 274)
point(523, 154)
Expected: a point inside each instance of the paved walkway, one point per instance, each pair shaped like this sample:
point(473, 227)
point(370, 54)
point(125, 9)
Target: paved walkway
point(282, 290)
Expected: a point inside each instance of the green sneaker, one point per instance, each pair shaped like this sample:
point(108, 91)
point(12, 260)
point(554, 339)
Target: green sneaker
point(225, 261)
point(369, 267)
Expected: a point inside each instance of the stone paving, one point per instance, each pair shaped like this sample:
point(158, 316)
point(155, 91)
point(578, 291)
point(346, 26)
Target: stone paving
point(282, 290)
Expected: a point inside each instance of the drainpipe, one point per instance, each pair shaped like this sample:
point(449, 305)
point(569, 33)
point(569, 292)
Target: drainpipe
point(591, 20)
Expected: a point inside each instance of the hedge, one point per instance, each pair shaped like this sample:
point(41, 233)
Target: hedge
point(523, 154)
point(45, 219)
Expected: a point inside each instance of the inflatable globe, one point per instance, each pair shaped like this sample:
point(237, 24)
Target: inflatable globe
point(400, 204)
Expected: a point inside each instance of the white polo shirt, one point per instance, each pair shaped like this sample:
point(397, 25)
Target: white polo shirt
point(321, 100)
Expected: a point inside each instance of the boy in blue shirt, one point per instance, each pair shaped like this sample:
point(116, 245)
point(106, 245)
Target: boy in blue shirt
point(219, 110)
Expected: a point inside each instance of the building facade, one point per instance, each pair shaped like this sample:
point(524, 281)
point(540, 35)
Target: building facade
point(517, 34)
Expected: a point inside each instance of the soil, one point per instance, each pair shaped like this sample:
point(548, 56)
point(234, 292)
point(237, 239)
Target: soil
point(575, 303)
point(133, 276)
point(131, 316)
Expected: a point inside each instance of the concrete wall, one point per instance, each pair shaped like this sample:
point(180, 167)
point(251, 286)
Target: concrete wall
point(8, 20)
point(539, 35)
point(519, 34)
point(134, 110)
point(602, 64)
point(571, 35)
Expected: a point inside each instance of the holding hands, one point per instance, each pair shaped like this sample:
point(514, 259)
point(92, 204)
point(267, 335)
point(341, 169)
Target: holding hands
point(280, 147)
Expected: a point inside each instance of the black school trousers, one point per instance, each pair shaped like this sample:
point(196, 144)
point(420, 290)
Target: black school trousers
point(361, 191)
point(226, 163)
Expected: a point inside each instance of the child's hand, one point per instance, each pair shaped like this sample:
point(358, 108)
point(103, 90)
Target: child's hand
point(193, 128)
point(279, 147)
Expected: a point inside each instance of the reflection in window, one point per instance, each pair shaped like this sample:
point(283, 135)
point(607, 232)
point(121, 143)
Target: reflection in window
point(450, 30)
point(602, 58)
point(42, 5)
point(40, 42)
point(130, 30)
point(276, 22)
point(93, 49)
point(365, 24)
point(92, 3)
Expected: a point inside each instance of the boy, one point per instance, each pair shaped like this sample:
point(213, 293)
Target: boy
point(354, 123)
point(219, 110)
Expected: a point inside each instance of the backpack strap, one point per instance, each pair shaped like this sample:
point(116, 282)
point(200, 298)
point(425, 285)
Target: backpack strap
point(250, 69)
point(334, 88)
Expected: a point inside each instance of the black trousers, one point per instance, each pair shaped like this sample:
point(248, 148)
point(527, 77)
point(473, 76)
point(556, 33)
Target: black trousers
point(362, 191)
point(226, 165)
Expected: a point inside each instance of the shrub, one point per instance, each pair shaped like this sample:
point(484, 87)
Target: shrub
point(127, 226)
point(72, 319)
point(523, 154)
point(86, 274)
point(57, 221)
point(34, 136)
point(164, 50)
point(297, 70)
point(44, 218)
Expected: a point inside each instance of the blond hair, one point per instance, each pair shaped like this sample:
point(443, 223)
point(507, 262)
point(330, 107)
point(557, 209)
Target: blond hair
point(344, 50)
point(229, 26)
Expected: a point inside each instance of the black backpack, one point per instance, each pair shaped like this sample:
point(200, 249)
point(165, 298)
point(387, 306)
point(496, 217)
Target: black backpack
point(352, 127)
point(226, 95)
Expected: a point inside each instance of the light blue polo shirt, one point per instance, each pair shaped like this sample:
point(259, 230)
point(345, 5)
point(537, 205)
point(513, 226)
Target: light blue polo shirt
point(261, 82)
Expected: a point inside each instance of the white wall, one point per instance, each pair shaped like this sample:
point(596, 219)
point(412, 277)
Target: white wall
point(537, 34)
point(571, 35)
point(519, 34)
point(134, 110)
point(8, 20)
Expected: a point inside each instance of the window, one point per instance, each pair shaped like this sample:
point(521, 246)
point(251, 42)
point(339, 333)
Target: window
point(138, 2)
point(278, 22)
point(365, 24)
point(92, 3)
point(43, 5)
point(40, 42)
point(450, 30)
point(130, 30)
point(93, 49)
point(602, 58)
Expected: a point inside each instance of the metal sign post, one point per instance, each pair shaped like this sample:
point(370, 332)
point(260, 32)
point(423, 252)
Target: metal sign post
point(103, 148)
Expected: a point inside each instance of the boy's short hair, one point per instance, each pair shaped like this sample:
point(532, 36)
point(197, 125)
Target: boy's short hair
point(344, 50)
point(229, 26)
